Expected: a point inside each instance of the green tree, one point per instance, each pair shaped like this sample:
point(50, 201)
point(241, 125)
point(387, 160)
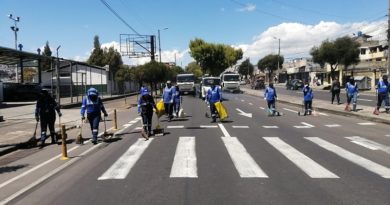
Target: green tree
point(122, 75)
point(194, 68)
point(214, 58)
point(344, 51)
point(245, 67)
point(270, 63)
point(46, 63)
point(155, 73)
point(97, 56)
point(174, 70)
point(137, 74)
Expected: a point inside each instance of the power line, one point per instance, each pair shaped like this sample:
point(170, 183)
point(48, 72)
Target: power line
point(118, 16)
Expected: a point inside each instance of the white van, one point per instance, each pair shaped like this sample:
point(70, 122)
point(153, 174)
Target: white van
point(186, 83)
point(230, 81)
point(205, 85)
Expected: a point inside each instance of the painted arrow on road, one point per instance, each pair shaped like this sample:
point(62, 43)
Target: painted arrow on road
point(244, 113)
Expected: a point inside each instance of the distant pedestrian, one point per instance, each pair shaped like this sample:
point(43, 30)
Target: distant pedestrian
point(214, 95)
point(335, 90)
point(177, 100)
point(307, 98)
point(270, 96)
point(93, 105)
point(352, 94)
point(383, 89)
point(168, 95)
point(145, 108)
point(45, 112)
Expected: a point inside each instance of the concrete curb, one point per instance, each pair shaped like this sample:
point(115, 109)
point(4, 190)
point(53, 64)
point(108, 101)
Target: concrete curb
point(336, 112)
point(6, 149)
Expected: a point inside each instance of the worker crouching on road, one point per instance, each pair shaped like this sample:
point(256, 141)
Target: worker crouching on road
point(45, 112)
point(352, 94)
point(177, 100)
point(145, 108)
point(93, 105)
point(307, 98)
point(270, 96)
point(214, 95)
point(383, 90)
point(168, 96)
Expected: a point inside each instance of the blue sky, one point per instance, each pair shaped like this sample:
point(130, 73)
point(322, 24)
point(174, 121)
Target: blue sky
point(250, 25)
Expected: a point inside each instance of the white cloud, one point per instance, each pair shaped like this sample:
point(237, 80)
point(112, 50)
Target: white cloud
point(297, 39)
point(110, 44)
point(248, 8)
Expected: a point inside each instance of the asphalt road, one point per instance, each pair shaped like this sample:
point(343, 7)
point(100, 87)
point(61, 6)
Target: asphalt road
point(249, 159)
point(364, 99)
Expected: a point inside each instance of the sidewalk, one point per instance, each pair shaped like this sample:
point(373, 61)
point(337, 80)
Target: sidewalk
point(364, 112)
point(17, 130)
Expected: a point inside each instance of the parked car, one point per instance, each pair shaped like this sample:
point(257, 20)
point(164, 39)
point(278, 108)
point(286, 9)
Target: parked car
point(294, 84)
point(258, 84)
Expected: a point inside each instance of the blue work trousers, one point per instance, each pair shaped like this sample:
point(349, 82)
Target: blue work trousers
point(94, 120)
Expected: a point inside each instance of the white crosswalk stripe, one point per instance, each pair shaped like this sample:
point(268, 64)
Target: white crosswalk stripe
point(121, 168)
point(361, 161)
point(369, 144)
point(309, 166)
point(184, 163)
point(244, 163)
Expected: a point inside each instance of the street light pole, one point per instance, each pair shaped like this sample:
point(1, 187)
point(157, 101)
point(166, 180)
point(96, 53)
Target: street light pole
point(159, 43)
point(58, 77)
point(15, 28)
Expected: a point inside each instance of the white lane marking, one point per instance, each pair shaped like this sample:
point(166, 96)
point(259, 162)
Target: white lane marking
point(366, 123)
point(250, 103)
point(240, 126)
point(270, 127)
point(138, 128)
point(333, 125)
point(307, 165)
point(387, 135)
point(34, 168)
point(244, 113)
point(209, 126)
point(47, 176)
point(290, 110)
point(242, 100)
point(362, 99)
point(305, 125)
point(323, 114)
point(224, 131)
point(262, 108)
point(369, 144)
point(121, 168)
point(175, 126)
point(244, 163)
point(133, 121)
point(184, 162)
point(361, 161)
point(138, 118)
point(127, 125)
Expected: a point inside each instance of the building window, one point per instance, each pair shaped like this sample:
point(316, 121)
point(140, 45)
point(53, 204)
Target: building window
point(373, 50)
point(363, 51)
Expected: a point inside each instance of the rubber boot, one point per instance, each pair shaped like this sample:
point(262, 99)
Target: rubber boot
point(53, 138)
point(354, 108)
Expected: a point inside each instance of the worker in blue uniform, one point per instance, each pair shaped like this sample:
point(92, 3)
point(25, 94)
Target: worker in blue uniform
point(45, 112)
point(146, 105)
point(307, 98)
point(92, 104)
point(383, 90)
point(168, 95)
point(270, 96)
point(352, 94)
point(214, 95)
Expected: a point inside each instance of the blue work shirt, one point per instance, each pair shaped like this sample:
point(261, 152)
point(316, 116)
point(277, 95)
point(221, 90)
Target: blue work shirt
point(307, 93)
point(351, 88)
point(214, 95)
point(270, 94)
point(383, 87)
point(168, 94)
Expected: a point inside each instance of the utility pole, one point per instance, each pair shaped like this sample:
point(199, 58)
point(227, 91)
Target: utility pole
point(58, 77)
point(15, 29)
point(159, 43)
point(388, 40)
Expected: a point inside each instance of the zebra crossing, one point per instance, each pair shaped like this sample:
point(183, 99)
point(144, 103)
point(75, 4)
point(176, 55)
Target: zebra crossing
point(185, 161)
